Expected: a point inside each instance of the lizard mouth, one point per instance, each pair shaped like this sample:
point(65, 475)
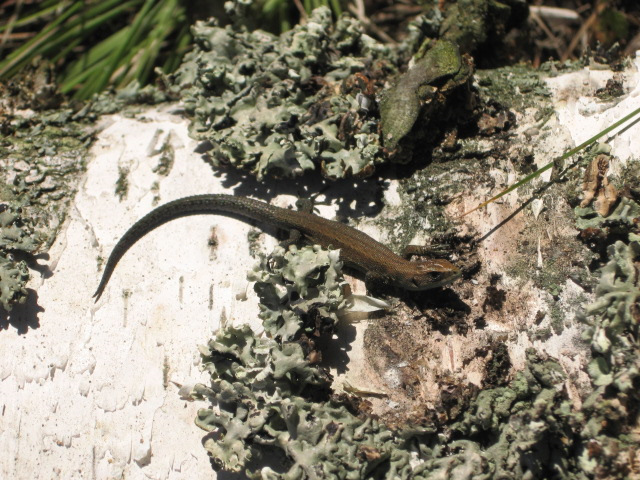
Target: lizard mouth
point(449, 278)
point(436, 281)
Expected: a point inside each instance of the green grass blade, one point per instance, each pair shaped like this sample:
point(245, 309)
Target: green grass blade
point(34, 17)
point(182, 46)
point(140, 60)
point(133, 31)
point(78, 30)
point(76, 72)
point(546, 167)
point(12, 63)
point(130, 54)
point(271, 6)
point(48, 41)
point(336, 7)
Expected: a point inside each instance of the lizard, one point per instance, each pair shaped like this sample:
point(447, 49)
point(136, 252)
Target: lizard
point(358, 250)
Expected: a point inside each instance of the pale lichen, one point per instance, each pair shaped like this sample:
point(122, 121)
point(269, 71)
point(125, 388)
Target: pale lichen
point(610, 413)
point(621, 220)
point(306, 100)
point(521, 429)
point(13, 278)
point(273, 414)
point(309, 279)
point(41, 154)
point(16, 235)
point(281, 106)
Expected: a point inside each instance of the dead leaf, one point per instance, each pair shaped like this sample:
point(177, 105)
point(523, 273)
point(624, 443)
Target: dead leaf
point(607, 197)
point(596, 185)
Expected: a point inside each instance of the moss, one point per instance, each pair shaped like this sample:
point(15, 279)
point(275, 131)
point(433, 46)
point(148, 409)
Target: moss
point(253, 238)
point(165, 372)
point(629, 176)
point(541, 334)
point(100, 260)
point(166, 159)
point(122, 184)
point(413, 96)
point(155, 189)
point(420, 210)
point(518, 87)
point(498, 366)
point(557, 319)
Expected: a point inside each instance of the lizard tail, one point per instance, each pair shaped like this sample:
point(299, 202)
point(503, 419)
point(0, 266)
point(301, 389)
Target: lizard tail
point(195, 205)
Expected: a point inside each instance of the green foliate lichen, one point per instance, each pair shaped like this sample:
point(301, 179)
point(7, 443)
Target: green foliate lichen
point(13, 278)
point(616, 311)
point(299, 288)
point(526, 422)
point(248, 376)
point(274, 417)
point(266, 425)
point(16, 235)
point(281, 106)
point(609, 432)
point(623, 219)
point(613, 323)
point(15, 232)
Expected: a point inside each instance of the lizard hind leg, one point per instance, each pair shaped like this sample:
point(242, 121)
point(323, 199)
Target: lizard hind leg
point(294, 238)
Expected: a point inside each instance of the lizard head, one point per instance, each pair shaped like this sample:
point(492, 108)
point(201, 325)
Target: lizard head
point(428, 274)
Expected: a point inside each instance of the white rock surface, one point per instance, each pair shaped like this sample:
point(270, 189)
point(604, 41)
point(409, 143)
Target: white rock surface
point(583, 116)
point(93, 392)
